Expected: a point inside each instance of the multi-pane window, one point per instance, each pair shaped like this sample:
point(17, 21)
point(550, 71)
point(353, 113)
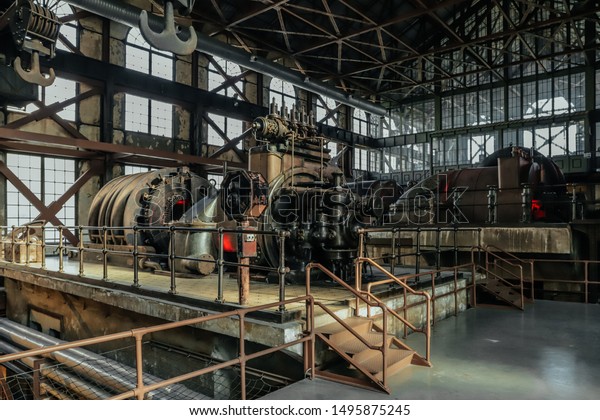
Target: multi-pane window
point(283, 94)
point(134, 169)
point(219, 71)
point(327, 111)
point(48, 178)
point(360, 122)
point(142, 114)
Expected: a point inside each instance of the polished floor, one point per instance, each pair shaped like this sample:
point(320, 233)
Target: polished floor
point(549, 351)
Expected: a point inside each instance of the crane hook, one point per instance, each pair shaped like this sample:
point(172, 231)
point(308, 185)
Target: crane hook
point(34, 75)
point(167, 39)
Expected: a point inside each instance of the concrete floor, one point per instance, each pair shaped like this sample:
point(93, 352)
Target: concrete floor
point(550, 351)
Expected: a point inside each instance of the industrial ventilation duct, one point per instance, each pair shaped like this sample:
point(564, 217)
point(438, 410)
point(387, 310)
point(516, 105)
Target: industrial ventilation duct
point(130, 15)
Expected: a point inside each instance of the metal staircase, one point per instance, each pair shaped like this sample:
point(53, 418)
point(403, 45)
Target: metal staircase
point(398, 355)
point(502, 276)
point(366, 343)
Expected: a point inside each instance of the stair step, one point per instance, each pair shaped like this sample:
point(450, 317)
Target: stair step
point(371, 360)
point(338, 333)
point(503, 292)
point(353, 345)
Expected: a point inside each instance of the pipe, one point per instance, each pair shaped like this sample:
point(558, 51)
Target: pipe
point(129, 15)
point(72, 382)
point(105, 371)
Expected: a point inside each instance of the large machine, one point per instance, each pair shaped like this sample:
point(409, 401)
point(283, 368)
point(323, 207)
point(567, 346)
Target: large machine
point(512, 185)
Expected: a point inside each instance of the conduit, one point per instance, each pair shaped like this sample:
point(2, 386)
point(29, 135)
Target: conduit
point(129, 15)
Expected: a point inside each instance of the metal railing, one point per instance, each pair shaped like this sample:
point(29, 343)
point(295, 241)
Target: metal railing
point(141, 387)
point(139, 254)
point(499, 272)
point(406, 288)
point(383, 348)
point(565, 272)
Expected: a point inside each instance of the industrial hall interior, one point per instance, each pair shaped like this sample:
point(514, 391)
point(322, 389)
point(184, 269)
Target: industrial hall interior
point(299, 199)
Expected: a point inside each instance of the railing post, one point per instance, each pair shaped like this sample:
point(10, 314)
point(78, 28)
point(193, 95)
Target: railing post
point(418, 253)
point(220, 266)
point(27, 244)
point(532, 271)
point(384, 348)
point(585, 280)
point(393, 261)
point(43, 247)
point(80, 246)
point(136, 266)
point(12, 244)
point(358, 269)
point(139, 365)
point(455, 246)
point(455, 291)
point(61, 266)
point(281, 269)
point(242, 357)
point(438, 249)
point(104, 254)
point(433, 295)
point(173, 288)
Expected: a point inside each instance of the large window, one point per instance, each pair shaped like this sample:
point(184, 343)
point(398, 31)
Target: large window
point(283, 94)
point(48, 178)
point(221, 75)
point(142, 114)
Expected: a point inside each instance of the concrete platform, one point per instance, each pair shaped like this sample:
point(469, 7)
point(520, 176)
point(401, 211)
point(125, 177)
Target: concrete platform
point(549, 351)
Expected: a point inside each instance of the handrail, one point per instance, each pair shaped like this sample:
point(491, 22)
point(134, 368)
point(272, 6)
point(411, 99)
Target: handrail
point(406, 287)
point(141, 389)
point(383, 383)
point(523, 262)
point(139, 253)
point(498, 257)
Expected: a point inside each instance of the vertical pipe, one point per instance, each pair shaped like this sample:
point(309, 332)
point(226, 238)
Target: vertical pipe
point(104, 254)
point(526, 203)
point(43, 247)
point(173, 289)
point(220, 264)
point(60, 250)
point(139, 365)
point(136, 267)
point(80, 246)
point(282, 270)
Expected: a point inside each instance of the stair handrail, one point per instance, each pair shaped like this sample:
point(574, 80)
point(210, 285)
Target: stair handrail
point(427, 296)
point(358, 295)
point(486, 269)
point(529, 262)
